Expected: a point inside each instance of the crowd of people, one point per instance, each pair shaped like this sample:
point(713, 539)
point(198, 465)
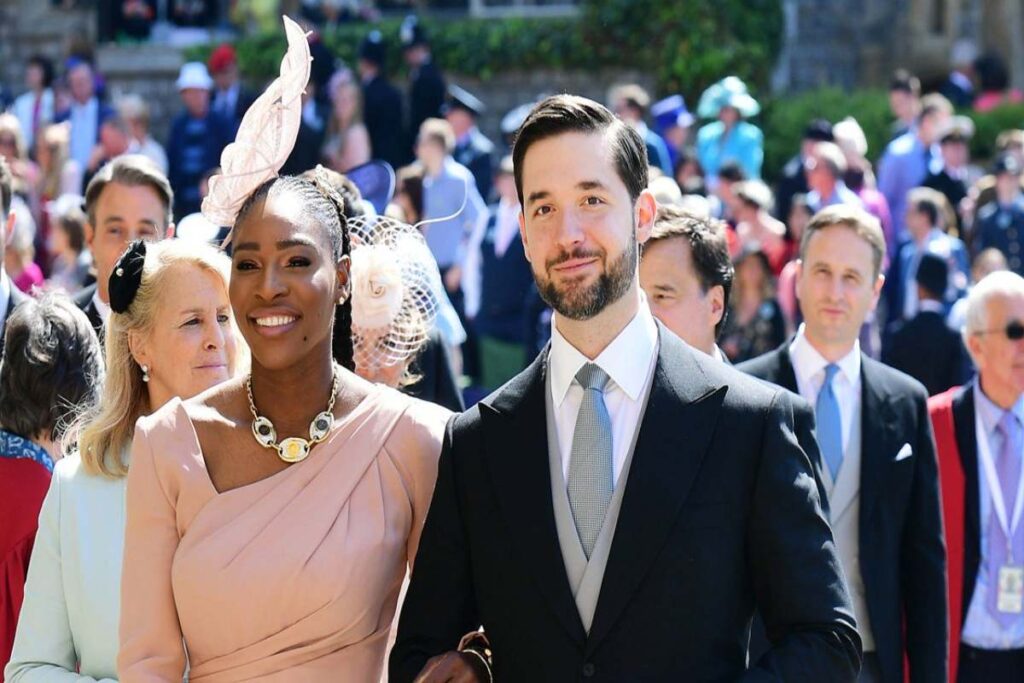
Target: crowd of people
point(603, 291)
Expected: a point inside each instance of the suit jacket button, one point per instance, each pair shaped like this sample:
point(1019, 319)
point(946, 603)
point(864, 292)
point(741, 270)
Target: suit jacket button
point(589, 670)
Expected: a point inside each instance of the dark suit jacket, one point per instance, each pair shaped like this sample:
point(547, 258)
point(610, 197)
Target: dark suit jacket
point(926, 349)
point(382, 111)
point(437, 382)
point(83, 299)
point(475, 154)
point(17, 298)
point(720, 512)
point(427, 91)
point(902, 551)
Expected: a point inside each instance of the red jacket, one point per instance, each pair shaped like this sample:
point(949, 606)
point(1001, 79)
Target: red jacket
point(948, 411)
point(23, 485)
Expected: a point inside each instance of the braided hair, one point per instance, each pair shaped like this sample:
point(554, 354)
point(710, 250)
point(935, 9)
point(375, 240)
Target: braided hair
point(323, 204)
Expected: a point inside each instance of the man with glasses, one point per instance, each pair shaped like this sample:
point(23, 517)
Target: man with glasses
point(978, 430)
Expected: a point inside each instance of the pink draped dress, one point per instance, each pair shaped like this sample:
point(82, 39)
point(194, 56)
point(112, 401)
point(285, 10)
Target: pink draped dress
point(292, 578)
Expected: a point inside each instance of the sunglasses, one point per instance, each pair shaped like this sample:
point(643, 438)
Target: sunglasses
point(1014, 330)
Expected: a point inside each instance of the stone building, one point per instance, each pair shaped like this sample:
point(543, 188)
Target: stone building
point(852, 43)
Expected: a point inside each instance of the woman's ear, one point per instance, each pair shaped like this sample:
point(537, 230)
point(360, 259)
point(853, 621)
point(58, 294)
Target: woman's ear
point(138, 346)
point(344, 268)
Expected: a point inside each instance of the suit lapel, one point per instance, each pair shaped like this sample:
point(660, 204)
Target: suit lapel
point(877, 424)
point(664, 467)
point(516, 452)
point(967, 445)
point(787, 375)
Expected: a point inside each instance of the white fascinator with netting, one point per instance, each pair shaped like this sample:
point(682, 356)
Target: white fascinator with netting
point(393, 304)
point(266, 135)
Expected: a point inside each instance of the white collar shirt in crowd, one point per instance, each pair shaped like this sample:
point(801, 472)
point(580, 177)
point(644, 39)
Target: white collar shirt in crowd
point(102, 308)
point(5, 294)
point(628, 361)
point(84, 127)
point(506, 227)
point(809, 368)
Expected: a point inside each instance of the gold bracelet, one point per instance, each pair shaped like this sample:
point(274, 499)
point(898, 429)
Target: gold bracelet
point(487, 665)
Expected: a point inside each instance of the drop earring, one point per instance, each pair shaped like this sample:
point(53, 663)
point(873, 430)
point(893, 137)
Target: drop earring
point(145, 373)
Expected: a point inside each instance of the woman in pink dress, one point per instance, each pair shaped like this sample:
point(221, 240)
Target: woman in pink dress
point(272, 520)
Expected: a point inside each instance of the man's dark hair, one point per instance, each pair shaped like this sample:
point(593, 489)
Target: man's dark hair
point(709, 250)
point(562, 114)
point(904, 81)
point(731, 172)
point(46, 66)
point(51, 369)
point(132, 170)
point(929, 202)
point(6, 191)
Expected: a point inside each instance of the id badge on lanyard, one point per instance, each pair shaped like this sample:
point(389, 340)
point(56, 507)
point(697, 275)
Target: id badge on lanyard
point(1010, 579)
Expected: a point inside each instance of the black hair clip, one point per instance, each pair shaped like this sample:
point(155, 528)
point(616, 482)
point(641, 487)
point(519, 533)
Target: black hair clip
point(127, 276)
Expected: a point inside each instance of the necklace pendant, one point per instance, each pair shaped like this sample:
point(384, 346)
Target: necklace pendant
point(293, 449)
point(320, 427)
point(263, 430)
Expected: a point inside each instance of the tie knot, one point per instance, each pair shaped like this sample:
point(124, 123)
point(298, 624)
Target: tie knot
point(1008, 424)
point(590, 376)
point(830, 373)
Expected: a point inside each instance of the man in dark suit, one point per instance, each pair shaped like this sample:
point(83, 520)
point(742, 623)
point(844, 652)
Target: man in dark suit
point(426, 84)
point(925, 347)
point(127, 199)
point(382, 103)
point(954, 178)
point(793, 180)
point(472, 148)
point(229, 98)
point(85, 112)
point(986, 636)
point(616, 511)
point(877, 453)
point(10, 296)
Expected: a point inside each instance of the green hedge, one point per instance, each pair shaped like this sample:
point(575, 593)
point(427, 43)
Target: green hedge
point(783, 121)
point(687, 45)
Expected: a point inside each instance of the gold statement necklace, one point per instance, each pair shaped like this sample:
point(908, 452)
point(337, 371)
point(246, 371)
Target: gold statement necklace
point(294, 448)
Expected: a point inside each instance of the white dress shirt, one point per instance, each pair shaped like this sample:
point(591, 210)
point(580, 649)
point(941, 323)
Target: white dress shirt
point(628, 362)
point(5, 293)
point(980, 629)
point(809, 367)
point(67, 629)
point(102, 308)
point(84, 126)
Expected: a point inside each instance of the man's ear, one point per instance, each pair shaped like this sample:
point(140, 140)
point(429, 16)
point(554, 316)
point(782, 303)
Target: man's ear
point(716, 296)
point(90, 234)
point(8, 232)
point(646, 212)
point(169, 233)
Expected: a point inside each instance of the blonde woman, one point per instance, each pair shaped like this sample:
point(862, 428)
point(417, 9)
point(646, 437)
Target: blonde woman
point(348, 142)
point(59, 174)
point(170, 334)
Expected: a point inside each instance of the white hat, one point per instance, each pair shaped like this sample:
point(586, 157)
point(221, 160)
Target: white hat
point(194, 75)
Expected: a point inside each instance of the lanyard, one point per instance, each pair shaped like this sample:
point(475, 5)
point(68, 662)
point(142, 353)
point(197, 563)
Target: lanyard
point(995, 490)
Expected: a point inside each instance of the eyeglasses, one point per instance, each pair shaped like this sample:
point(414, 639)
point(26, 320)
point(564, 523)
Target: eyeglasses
point(1014, 330)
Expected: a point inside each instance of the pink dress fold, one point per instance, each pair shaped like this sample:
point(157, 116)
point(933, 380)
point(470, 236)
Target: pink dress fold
point(291, 578)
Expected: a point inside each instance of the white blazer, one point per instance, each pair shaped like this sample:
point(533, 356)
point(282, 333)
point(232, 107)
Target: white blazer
point(68, 627)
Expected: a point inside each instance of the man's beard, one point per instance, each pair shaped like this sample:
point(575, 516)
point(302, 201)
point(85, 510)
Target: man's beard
point(579, 302)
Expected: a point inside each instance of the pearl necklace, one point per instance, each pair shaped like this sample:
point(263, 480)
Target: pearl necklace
point(293, 449)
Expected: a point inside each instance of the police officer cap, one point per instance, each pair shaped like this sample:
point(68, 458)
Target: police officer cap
point(460, 98)
point(412, 33)
point(1006, 163)
point(373, 49)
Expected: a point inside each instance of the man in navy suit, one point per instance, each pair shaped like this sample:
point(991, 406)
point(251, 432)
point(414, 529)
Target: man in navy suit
point(616, 511)
point(876, 447)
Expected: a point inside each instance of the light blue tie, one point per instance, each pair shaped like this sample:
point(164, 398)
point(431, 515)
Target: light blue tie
point(830, 423)
point(590, 463)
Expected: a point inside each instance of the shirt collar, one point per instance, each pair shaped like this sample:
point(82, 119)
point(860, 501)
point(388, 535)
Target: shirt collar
point(102, 308)
point(990, 413)
point(631, 349)
point(5, 293)
point(807, 362)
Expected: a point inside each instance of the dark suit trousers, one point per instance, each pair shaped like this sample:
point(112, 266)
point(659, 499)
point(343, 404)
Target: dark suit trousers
point(990, 666)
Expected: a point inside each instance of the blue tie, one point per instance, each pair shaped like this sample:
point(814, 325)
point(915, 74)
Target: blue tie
point(830, 423)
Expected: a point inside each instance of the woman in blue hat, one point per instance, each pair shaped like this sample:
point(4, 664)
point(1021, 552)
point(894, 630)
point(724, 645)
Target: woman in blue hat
point(730, 138)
